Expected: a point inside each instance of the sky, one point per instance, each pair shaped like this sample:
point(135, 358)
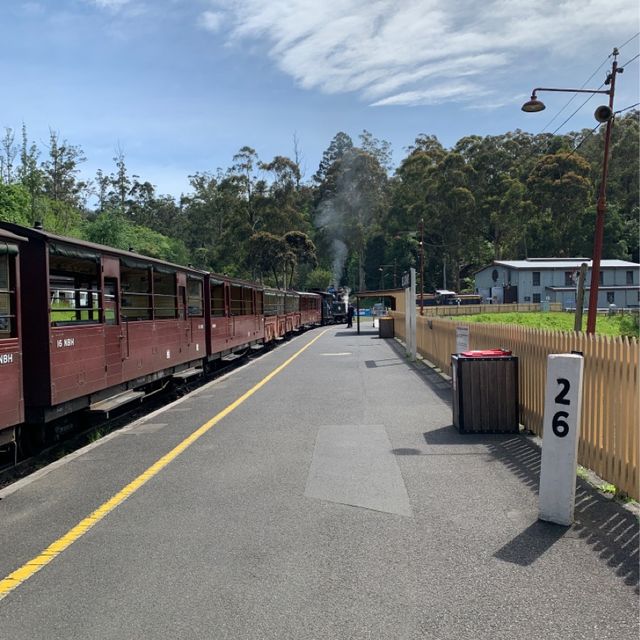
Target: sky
point(181, 85)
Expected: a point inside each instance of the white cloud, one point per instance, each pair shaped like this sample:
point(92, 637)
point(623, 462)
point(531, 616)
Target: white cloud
point(111, 4)
point(211, 21)
point(414, 51)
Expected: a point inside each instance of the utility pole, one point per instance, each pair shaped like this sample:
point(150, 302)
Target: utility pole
point(601, 208)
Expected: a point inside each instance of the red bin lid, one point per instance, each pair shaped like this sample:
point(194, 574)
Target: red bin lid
point(486, 353)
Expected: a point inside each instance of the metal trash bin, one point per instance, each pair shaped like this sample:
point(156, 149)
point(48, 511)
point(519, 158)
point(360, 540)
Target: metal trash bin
point(386, 328)
point(485, 391)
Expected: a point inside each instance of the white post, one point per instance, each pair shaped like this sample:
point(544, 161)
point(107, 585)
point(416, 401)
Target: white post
point(561, 429)
point(412, 315)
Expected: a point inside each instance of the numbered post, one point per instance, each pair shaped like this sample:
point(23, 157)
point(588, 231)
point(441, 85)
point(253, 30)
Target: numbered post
point(561, 429)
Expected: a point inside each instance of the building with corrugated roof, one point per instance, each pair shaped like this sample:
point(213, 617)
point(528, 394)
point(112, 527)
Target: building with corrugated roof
point(555, 280)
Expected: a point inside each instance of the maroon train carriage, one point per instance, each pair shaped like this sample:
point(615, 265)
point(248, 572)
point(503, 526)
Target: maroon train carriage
point(237, 319)
point(100, 324)
point(310, 309)
point(275, 319)
point(292, 311)
point(286, 312)
point(11, 400)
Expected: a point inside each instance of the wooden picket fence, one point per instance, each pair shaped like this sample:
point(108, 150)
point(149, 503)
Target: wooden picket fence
point(472, 309)
point(609, 432)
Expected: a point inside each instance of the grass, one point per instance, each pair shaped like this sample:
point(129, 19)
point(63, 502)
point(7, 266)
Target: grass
point(617, 325)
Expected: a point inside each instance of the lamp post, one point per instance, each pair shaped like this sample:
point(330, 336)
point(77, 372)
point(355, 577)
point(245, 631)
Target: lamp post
point(421, 243)
point(380, 269)
point(602, 114)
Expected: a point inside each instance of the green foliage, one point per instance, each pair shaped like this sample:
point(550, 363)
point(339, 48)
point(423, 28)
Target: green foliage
point(14, 204)
point(629, 324)
point(507, 196)
point(319, 278)
point(560, 321)
point(111, 229)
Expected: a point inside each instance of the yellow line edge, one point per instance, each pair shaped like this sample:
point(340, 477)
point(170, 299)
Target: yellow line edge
point(30, 568)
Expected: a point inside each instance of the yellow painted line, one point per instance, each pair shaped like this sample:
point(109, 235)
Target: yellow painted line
point(27, 570)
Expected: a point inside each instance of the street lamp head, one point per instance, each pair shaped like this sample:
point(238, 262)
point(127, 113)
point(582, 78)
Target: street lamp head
point(534, 105)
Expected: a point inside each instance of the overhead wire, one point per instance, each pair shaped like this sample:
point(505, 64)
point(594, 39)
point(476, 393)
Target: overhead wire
point(630, 61)
point(583, 85)
point(575, 95)
point(590, 133)
point(629, 40)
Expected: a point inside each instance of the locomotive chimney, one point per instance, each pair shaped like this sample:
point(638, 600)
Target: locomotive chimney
point(38, 225)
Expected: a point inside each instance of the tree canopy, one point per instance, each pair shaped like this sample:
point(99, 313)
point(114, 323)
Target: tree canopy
point(506, 196)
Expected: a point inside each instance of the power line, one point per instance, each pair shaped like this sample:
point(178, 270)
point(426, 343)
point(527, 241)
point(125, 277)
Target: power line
point(575, 95)
point(629, 40)
point(629, 61)
point(627, 108)
point(578, 109)
point(586, 137)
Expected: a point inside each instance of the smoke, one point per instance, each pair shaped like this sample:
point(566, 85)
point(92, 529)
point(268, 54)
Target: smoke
point(332, 212)
point(339, 254)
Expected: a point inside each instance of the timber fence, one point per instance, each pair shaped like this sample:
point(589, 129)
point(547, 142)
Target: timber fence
point(472, 309)
point(609, 432)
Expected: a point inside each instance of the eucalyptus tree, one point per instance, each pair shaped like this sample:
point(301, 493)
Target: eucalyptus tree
point(61, 170)
point(561, 189)
point(355, 191)
point(31, 176)
point(8, 153)
point(302, 250)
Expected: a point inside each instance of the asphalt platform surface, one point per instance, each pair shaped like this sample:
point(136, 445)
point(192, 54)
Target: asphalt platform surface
point(335, 502)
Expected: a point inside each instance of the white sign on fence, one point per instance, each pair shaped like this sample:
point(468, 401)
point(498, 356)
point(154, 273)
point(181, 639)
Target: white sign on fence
point(462, 338)
point(561, 428)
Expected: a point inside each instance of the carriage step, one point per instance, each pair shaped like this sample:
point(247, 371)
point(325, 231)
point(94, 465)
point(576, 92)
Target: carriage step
point(109, 404)
point(187, 373)
point(230, 357)
point(257, 347)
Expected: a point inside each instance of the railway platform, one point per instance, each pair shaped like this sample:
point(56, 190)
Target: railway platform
point(319, 492)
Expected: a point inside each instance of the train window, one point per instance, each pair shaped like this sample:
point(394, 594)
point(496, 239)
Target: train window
point(135, 286)
point(217, 299)
point(236, 300)
point(247, 300)
point(270, 303)
point(74, 292)
point(7, 300)
point(259, 303)
point(194, 293)
point(110, 301)
point(165, 302)
point(292, 303)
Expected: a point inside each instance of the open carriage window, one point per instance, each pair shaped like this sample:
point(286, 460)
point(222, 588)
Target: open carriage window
point(194, 297)
point(270, 303)
point(74, 290)
point(7, 297)
point(247, 300)
point(165, 301)
point(236, 300)
point(217, 299)
point(135, 286)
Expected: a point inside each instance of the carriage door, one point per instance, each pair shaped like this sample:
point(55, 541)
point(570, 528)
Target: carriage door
point(114, 337)
point(186, 328)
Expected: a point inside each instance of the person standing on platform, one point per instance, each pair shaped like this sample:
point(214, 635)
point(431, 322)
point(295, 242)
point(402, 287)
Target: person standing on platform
point(350, 313)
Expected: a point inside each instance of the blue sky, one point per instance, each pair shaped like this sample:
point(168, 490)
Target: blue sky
point(181, 85)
